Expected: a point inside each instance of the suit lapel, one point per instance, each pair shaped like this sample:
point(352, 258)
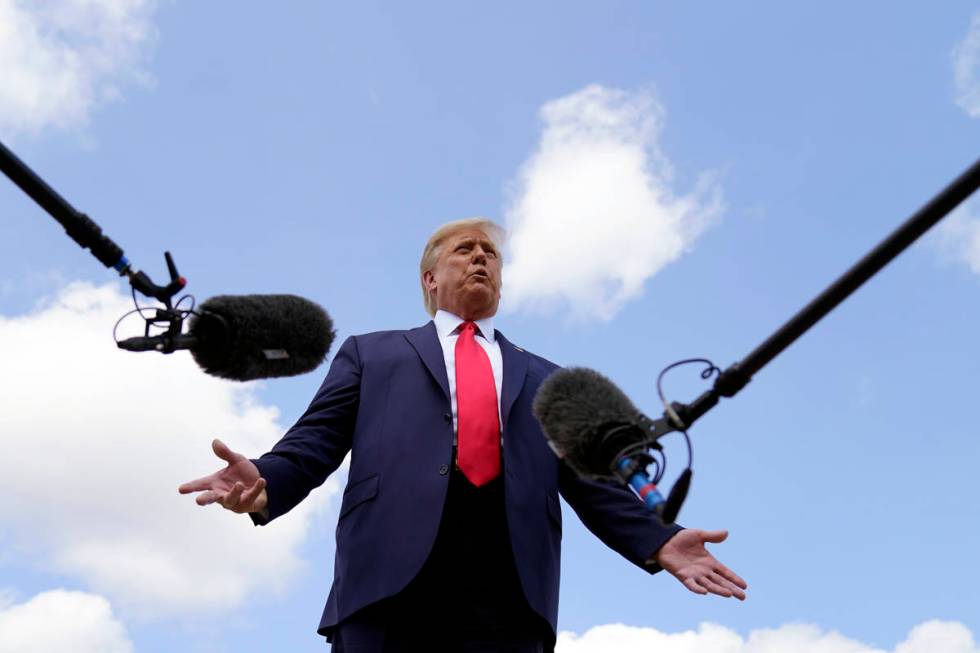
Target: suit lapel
point(515, 369)
point(425, 340)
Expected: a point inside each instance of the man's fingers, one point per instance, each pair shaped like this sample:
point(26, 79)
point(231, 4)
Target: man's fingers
point(731, 576)
point(222, 451)
point(230, 500)
point(206, 498)
point(713, 587)
point(249, 496)
point(694, 587)
point(203, 483)
point(727, 584)
point(238, 498)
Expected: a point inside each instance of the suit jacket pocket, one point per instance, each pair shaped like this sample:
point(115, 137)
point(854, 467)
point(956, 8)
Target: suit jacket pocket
point(359, 492)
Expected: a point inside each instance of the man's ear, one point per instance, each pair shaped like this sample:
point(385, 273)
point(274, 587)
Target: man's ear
point(429, 280)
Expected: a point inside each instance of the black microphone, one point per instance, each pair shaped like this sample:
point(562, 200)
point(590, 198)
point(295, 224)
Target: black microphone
point(247, 337)
point(596, 429)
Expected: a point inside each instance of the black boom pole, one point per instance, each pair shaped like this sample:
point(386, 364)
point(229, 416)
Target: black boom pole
point(79, 226)
point(84, 231)
point(739, 374)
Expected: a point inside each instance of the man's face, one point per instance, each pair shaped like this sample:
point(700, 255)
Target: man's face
point(466, 276)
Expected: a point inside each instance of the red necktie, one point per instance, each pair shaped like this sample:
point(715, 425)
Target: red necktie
point(478, 428)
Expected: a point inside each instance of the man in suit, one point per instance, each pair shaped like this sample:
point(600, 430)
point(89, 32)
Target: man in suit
point(450, 526)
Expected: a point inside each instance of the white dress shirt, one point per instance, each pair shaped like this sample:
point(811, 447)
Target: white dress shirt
point(447, 326)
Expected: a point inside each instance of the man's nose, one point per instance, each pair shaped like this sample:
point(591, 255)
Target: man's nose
point(479, 256)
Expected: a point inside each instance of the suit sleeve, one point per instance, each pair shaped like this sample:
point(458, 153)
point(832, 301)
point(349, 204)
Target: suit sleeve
point(316, 445)
point(617, 517)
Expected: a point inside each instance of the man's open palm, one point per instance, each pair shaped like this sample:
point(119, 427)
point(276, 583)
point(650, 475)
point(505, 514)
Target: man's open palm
point(238, 487)
point(686, 558)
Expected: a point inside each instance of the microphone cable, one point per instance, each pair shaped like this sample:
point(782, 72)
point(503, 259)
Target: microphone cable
point(168, 321)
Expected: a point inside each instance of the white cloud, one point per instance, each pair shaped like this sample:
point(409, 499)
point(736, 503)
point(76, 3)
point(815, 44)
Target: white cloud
point(58, 621)
point(95, 442)
point(595, 214)
point(957, 237)
point(929, 637)
point(966, 69)
point(60, 59)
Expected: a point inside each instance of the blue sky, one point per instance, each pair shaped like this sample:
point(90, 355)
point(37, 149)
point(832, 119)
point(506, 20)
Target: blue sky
point(678, 179)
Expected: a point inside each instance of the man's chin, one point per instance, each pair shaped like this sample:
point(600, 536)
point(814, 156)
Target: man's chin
point(480, 302)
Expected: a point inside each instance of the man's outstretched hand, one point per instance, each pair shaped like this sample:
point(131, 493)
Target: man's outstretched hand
point(238, 487)
point(685, 557)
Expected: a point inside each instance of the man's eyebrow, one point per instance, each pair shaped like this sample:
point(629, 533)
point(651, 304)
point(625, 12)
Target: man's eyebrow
point(469, 241)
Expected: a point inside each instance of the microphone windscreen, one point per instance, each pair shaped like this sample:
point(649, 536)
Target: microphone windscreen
point(246, 337)
point(587, 419)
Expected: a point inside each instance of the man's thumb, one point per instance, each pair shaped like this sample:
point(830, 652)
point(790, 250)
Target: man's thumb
point(715, 536)
point(222, 451)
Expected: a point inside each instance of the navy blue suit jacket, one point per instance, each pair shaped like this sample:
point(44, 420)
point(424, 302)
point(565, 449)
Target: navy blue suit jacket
point(386, 400)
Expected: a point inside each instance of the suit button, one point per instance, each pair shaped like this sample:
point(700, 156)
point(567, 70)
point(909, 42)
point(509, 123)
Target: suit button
point(443, 470)
point(448, 417)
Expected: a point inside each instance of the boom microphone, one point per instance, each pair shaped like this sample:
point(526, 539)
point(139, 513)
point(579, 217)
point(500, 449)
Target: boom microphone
point(247, 337)
point(239, 338)
point(600, 434)
point(260, 336)
point(587, 420)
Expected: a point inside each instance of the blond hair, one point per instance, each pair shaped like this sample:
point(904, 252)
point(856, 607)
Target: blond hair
point(433, 247)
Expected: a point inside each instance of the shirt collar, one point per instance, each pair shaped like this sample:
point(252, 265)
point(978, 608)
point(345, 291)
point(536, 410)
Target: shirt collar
point(446, 324)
